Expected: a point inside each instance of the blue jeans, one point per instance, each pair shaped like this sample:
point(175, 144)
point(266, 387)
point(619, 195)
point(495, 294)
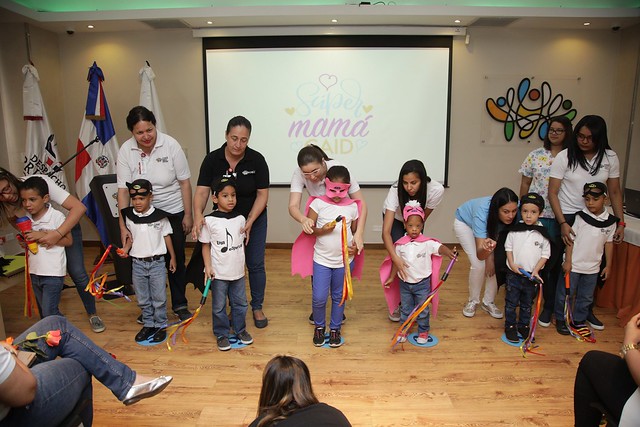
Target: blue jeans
point(520, 293)
point(581, 291)
point(254, 255)
point(62, 383)
point(327, 279)
point(177, 279)
point(77, 271)
point(47, 290)
point(412, 294)
point(150, 281)
point(235, 290)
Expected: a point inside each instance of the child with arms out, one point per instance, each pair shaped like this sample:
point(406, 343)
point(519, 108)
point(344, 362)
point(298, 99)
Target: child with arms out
point(594, 230)
point(328, 261)
point(47, 267)
point(150, 230)
point(223, 254)
point(527, 247)
point(416, 250)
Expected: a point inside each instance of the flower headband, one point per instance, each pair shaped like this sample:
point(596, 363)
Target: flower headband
point(336, 189)
point(412, 208)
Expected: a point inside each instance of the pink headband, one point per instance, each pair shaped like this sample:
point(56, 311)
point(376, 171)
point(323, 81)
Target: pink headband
point(336, 189)
point(412, 208)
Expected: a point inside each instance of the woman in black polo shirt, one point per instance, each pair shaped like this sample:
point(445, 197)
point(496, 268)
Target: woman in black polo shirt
point(252, 177)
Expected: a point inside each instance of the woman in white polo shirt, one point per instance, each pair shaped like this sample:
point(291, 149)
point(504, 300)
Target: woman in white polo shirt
point(159, 158)
point(587, 158)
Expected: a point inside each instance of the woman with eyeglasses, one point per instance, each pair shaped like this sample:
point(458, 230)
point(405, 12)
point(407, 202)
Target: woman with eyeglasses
point(535, 178)
point(587, 158)
point(313, 164)
point(10, 209)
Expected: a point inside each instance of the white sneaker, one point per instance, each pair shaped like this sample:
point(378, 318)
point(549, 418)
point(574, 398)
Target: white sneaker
point(492, 309)
point(469, 310)
point(395, 316)
point(402, 338)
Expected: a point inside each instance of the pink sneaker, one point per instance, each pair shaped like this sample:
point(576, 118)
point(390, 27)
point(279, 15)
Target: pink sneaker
point(423, 338)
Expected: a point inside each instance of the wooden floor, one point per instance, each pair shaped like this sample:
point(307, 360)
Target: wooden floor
point(471, 378)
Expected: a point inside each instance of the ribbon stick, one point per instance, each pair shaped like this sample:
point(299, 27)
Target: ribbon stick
point(29, 296)
point(403, 330)
point(97, 286)
point(172, 330)
point(584, 332)
point(527, 344)
point(347, 286)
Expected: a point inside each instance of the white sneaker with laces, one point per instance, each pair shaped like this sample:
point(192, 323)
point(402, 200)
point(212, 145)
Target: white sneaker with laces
point(395, 316)
point(469, 310)
point(492, 309)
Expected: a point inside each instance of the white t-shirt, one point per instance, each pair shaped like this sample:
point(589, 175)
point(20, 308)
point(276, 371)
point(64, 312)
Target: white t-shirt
point(528, 247)
point(435, 192)
point(418, 256)
point(222, 231)
point(163, 168)
point(7, 365)
point(148, 239)
point(316, 189)
point(328, 248)
point(573, 180)
point(48, 261)
point(588, 245)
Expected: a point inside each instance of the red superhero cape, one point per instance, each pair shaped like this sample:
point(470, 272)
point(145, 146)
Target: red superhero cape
point(302, 250)
point(392, 293)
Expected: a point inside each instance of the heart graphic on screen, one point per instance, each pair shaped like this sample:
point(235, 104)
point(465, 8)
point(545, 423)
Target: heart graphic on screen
point(367, 108)
point(327, 80)
point(290, 111)
point(360, 144)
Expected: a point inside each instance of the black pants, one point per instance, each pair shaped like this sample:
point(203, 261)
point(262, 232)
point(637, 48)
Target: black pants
point(603, 378)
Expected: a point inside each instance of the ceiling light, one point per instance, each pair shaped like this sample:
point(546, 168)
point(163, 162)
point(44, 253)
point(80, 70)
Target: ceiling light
point(334, 20)
point(457, 21)
point(586, 24)
point(90, 26)
point(210, 22)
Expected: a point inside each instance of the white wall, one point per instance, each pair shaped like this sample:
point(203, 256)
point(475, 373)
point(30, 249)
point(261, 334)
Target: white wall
point(476, 169)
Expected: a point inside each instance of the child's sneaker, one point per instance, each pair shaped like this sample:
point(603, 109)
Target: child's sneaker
point(523, 330)
point(561, 327)
point(223, 343)
point(334, 338)
point(423, 338)
point(318, 336)
point(395, 316)
point(158, 336)
point(402, 338)
point(511, 333)
point(492, 309)
point(145, 333)
point(245, 337)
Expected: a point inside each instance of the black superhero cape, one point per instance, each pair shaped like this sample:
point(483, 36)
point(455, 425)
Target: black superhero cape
point(500, 255)
point(155, 216)
point(597, 223)
point(195, 268)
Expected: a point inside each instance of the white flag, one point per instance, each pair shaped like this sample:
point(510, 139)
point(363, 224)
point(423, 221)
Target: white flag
point(41, 154)
point(149, 96)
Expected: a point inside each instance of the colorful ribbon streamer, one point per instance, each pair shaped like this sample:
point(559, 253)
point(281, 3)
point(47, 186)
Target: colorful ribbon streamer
point(584, 332)
point(403, 330)
point(29, 296)
point(97, 285)
point(347, 286)
point(527, 344)
point(172, 330)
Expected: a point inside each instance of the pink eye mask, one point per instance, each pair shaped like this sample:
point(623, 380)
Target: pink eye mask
point(336, 189)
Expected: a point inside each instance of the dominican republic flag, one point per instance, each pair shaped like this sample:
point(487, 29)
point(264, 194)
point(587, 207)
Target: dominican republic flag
point(149, 96)
point(41, 154)
point(100, 157)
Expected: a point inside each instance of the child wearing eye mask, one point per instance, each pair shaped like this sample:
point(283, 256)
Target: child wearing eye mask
point(328, 264)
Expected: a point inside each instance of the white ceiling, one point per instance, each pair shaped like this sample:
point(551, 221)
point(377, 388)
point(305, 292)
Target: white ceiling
point(227, 18)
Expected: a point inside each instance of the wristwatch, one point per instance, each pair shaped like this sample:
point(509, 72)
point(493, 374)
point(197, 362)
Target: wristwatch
point(625, 349)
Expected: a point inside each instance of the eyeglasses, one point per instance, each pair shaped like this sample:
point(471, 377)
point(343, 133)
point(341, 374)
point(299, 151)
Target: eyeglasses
point(314, 172)
point(582, 137)
point(556, 131)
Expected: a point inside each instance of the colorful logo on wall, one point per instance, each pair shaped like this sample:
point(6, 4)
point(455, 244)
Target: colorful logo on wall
point(530, 111)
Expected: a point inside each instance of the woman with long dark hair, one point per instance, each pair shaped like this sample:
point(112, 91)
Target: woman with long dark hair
point(287, 398)
point(477, 225)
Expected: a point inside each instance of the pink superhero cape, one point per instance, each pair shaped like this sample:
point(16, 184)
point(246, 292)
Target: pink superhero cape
point(392, 293)
point(302, 250)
